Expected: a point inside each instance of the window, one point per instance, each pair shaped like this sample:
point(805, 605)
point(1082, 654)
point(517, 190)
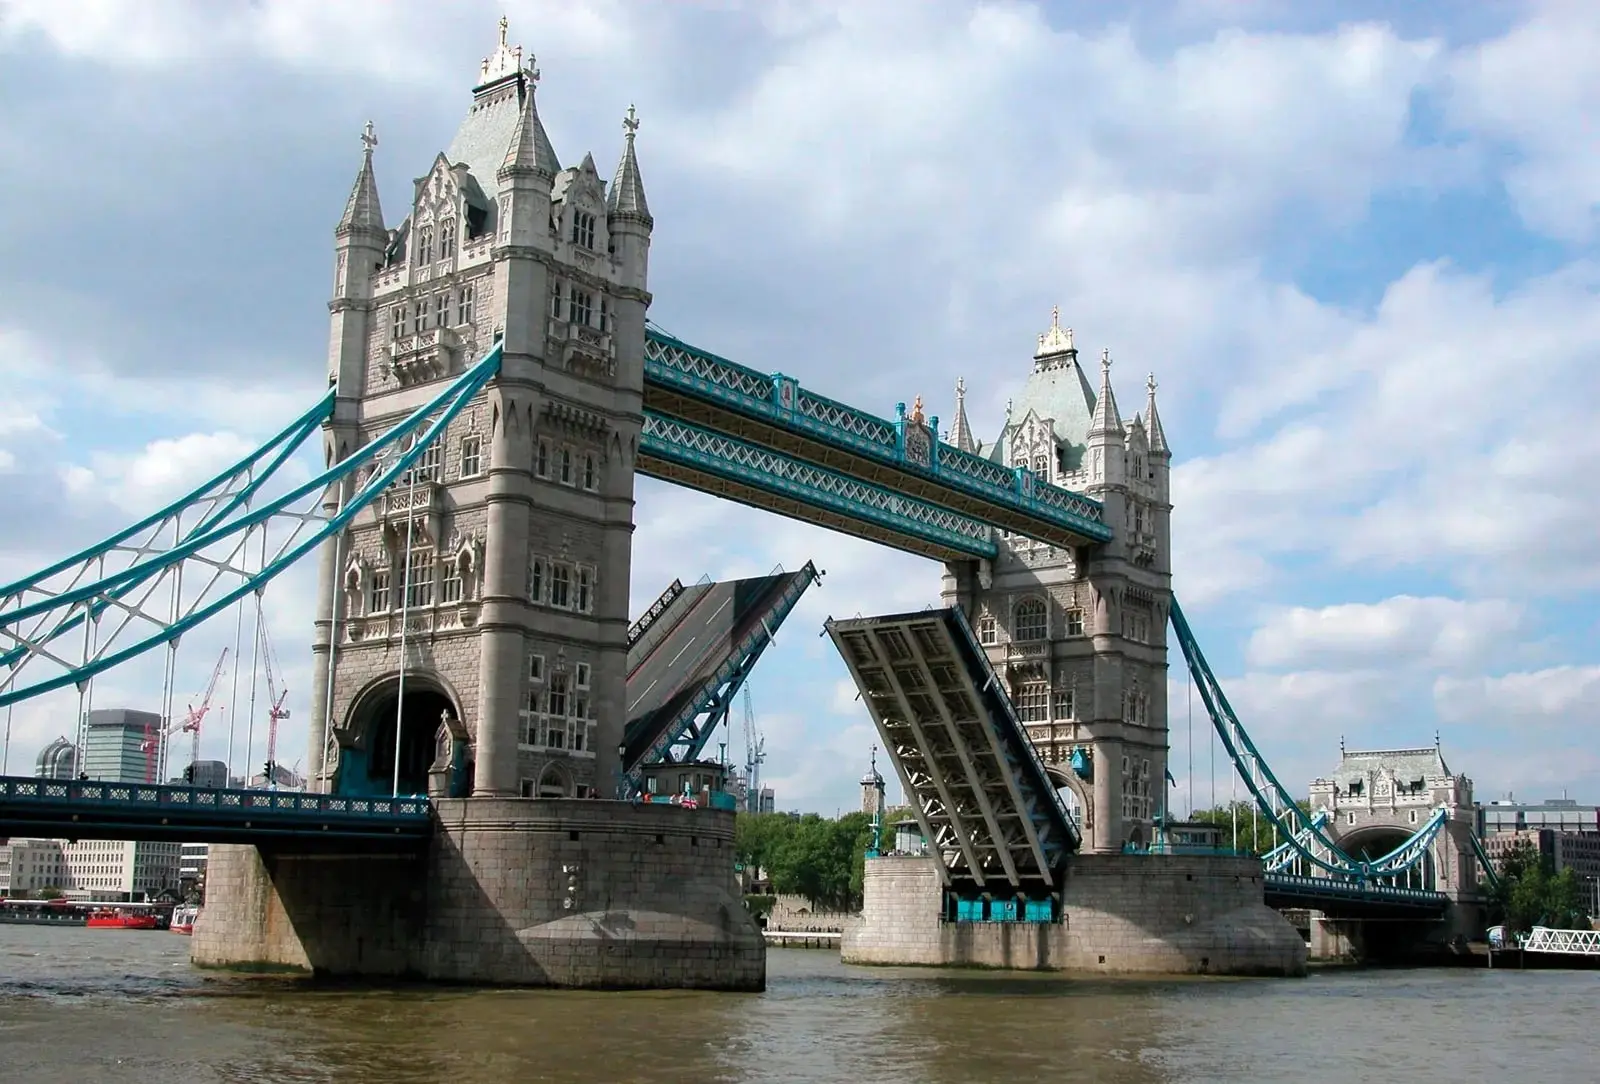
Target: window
point(419, 579)
point(566, 466)
point(450, 586)
point(580, 307)
point(585, 598)
point(425, 245)
point(1033, 702)
point(535, 669)
point(419, 319)
point(580, 729)
point(583, 229)
point(1413, 816)
point(1136, 788)
point(1030, 620)
point(1065, 705)
point(378, 597)
point(986, 632)
point(1074, 622)
point(447, 238)
point(441, 310)
point(529, 786)
point(1138, 519)
point(1041, 468)
point(541, 462)
point(471, 456)
point(1139, 628)
point(556, 698)
point(1134, 707)
point(397, 323)
point(605, 315)
point(1350, 818)
point(555, 301)
point(426, 467)
point(588, 472)
point(560, 586)
point(536, 577)
point(581, 673)
point(464, 305)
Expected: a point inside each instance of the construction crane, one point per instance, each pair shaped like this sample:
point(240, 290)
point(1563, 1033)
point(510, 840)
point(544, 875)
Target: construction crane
point(190, 725)
point(755, 751)
point(275, 709)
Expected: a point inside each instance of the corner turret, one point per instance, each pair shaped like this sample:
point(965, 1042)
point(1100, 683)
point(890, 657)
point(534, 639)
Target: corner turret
point(627, 212)
point(359, 243)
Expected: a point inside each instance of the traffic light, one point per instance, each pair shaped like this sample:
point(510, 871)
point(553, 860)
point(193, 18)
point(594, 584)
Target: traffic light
point(188, 775)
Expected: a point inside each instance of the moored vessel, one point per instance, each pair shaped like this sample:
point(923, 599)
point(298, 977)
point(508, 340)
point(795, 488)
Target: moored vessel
point(183, 919)
point(111, 918)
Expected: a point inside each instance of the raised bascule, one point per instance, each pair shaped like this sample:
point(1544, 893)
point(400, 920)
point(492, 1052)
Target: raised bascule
point(484, 710)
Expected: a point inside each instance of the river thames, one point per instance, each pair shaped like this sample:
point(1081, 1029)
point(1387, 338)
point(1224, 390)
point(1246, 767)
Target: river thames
point(80, 1005)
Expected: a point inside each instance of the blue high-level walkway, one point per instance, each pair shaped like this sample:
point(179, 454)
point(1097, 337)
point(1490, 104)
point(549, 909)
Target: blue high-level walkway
point(87, 809)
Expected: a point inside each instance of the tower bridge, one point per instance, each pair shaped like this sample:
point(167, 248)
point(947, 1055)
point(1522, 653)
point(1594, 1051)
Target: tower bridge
point(494, 390)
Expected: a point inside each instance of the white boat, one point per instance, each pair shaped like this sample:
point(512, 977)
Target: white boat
point(184, 918)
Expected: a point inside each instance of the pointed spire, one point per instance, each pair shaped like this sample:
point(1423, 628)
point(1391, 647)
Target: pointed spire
point(1055, 344)
point(1106, 420)
point(361, 210)
point(961, 431)
point(1152, 420)
point(627, 187)
point(530, 150)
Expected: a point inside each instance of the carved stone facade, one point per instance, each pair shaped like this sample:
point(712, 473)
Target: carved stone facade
point(499, 567)
point(1080, 635)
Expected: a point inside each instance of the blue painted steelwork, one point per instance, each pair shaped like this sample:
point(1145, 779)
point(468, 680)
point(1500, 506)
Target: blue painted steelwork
point(1485, 863)
point(725, 466)
point(388, 458)
point(73, 809)
point(675, 370)
point(1284, 855)
point(1305, 835)
point(712, 684)
point(1288, 889)
point(218, 498)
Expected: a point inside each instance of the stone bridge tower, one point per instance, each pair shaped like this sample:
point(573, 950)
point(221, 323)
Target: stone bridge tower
point(1080, 635)
point(1376, 799)
point(501, 569)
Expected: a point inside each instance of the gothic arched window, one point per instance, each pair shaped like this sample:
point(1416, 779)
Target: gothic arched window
point(1030, 621)
point(425, 245)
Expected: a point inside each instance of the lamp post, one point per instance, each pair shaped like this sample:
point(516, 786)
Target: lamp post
point(622, 777)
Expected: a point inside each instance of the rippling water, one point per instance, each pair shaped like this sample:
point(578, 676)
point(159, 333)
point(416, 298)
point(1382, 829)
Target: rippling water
point(79, 1005)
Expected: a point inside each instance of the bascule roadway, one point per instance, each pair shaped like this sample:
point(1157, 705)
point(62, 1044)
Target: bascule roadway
point(704, 626)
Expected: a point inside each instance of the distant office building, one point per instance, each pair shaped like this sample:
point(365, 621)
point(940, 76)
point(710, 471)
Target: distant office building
point(192, 863)
point(766, 801)
point(107, 869)
point(58, 760)
point(1557, 814)
point(29, 865)
point(207, 773)
point(282, 779)
point(116, 749)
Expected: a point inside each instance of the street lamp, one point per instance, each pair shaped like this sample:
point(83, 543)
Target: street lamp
point(622, 751)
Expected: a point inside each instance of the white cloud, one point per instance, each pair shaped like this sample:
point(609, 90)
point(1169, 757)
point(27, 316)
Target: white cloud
point(163, 470)
point(1563, 696)
point(1430, 631)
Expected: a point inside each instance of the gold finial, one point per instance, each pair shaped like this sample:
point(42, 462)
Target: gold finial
point(630, 123)
point(505, 25)
point(369, 137)
point(916, 410)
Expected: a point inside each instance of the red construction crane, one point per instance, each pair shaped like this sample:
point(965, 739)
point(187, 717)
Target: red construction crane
point(190, 724)
point(275, 708)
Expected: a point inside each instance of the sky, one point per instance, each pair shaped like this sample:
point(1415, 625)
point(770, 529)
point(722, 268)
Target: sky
point(1356, 243)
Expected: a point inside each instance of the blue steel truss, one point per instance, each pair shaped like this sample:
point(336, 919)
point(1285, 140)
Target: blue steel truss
point(683, 736)
point(135, 591)
point(72, 809)
point(1303, 834)
point(725, 466)
point(675, 371)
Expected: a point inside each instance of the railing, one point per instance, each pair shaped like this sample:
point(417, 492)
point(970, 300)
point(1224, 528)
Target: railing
point(1569, 942)
point(1343, 888)
point(659, 607)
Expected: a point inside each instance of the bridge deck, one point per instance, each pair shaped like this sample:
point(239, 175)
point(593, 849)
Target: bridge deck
point(1340, 898)
point(77, 809)
point(903, 458)
point(977, 784)
point(686, 667)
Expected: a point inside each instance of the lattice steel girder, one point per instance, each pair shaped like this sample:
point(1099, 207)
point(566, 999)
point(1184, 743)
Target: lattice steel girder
point(693, 385)
point(676, 451)
point(980, 790)
point(724, 681)
point(235, 551)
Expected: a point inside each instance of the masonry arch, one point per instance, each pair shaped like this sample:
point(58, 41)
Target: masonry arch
point(367, 766)
point(1374, 841)
point(1075, 794)
point(554, 782)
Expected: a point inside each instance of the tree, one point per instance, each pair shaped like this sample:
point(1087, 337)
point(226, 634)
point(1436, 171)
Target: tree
point(811, 856)
point(1255, 834)
point(1531, 893)
point(50, 892)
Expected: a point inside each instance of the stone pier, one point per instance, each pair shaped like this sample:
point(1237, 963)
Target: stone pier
point(1154, 914)
point(537, 892)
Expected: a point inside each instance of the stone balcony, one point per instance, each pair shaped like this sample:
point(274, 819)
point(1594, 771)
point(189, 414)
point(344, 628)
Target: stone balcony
point(425, 356)
point(583, 349)
point(421, 622)
point(1028, 659)
point(404, 502)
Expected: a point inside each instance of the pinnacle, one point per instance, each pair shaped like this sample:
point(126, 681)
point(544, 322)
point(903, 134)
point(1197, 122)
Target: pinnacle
point(362, 210)
point(530, 148)
point(627, 187)
point(1106, 420)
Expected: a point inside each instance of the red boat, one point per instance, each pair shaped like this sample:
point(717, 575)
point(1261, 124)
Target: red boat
point(183, 919)
point(108, 918)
